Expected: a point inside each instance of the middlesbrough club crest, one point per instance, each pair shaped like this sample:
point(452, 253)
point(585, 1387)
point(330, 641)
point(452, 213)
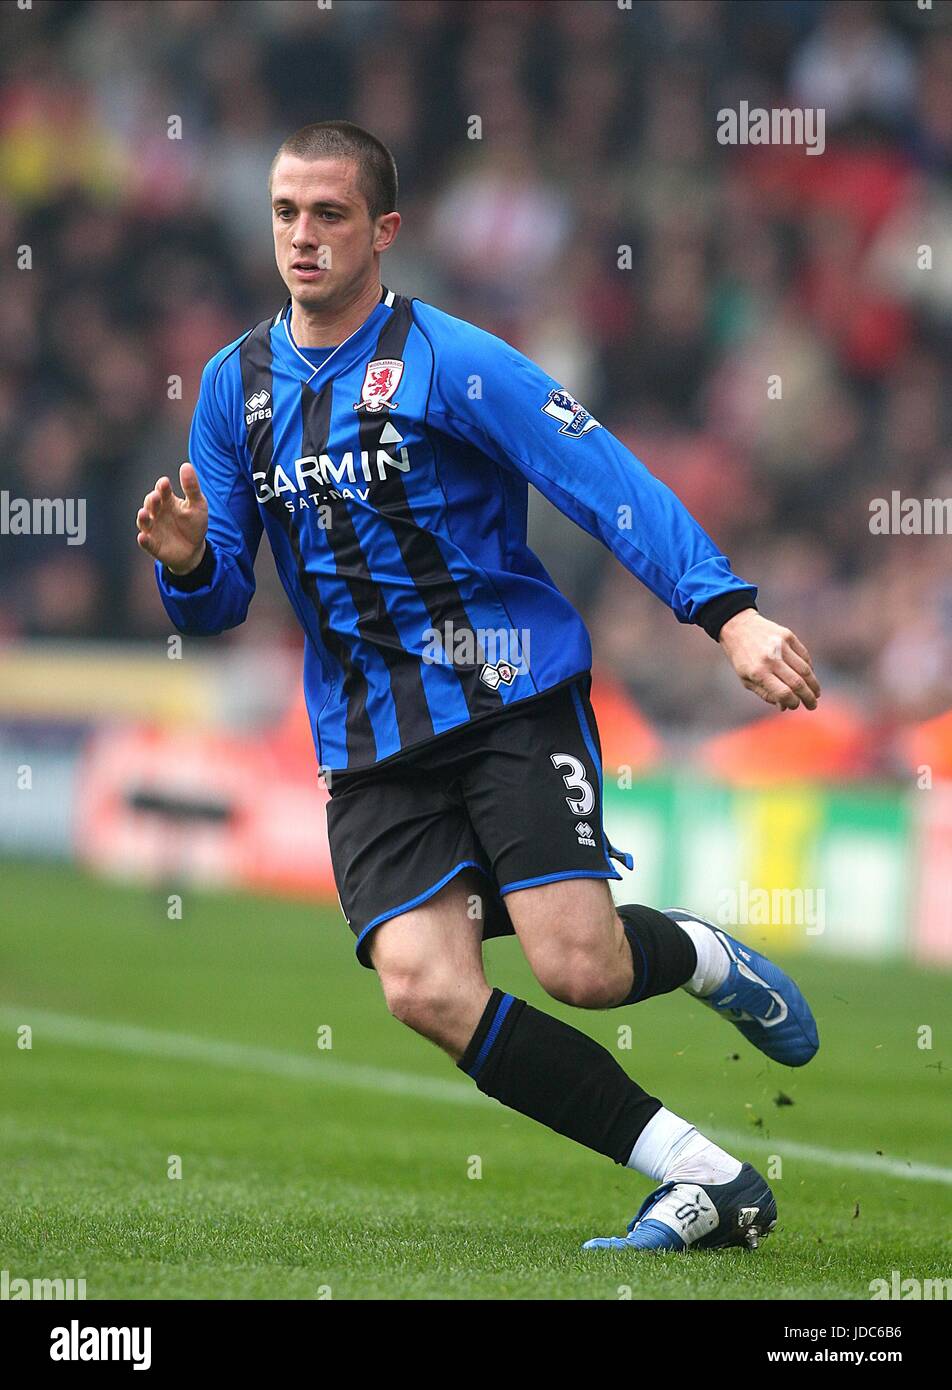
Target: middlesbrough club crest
point(381, 379)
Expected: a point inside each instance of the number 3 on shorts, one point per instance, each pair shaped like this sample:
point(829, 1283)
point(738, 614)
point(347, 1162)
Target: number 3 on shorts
point(575, 780)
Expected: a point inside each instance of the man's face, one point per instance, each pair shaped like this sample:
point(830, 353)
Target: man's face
point(324, 240)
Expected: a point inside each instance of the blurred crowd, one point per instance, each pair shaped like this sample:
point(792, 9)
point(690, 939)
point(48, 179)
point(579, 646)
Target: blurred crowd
point(669, 281)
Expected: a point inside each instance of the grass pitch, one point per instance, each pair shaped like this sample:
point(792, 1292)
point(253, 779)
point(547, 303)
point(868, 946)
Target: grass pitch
point(349, 1171)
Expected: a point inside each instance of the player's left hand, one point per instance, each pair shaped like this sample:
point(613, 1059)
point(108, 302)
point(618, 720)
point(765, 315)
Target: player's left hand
point(770, 660)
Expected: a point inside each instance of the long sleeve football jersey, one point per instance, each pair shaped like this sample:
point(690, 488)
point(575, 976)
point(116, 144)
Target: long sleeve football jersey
point(392, 481)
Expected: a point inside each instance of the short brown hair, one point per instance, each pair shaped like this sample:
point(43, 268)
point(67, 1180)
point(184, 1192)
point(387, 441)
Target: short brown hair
point(376, 167)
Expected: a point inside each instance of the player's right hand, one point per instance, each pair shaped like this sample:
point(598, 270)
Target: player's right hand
point(770, 660)
point(172, 529)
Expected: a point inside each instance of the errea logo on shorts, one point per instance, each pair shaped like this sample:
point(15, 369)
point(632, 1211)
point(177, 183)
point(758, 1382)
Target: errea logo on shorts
point(256, 405)
point(585, 833)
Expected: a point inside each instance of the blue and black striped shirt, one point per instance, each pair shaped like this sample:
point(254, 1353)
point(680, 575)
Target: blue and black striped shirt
point(392, 481)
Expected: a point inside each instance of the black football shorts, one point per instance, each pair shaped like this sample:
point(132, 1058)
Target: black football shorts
point(517, 797)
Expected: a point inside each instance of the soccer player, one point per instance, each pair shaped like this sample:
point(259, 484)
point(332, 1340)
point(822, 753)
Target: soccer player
point(386, 448)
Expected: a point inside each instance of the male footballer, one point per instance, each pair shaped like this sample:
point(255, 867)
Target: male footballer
point(386, 449)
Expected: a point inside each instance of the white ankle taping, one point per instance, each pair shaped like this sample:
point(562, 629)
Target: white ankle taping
point(670, 1149)
point(713, 962)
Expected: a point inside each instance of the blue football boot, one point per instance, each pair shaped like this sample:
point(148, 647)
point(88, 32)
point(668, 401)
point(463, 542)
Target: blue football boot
point(761, 1000)
point(687, 1216)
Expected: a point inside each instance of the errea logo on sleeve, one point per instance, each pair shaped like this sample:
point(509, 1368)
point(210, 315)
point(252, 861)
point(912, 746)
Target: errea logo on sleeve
point(574, 418)
point(256, 406)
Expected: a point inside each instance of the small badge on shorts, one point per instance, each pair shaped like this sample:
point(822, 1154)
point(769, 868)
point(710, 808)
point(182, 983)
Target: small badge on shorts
point(502, 673)
point(585, 833)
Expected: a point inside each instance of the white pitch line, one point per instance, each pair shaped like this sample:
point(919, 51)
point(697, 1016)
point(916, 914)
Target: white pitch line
point(181, 1047)
point(840, 1158)
point(329, 1071)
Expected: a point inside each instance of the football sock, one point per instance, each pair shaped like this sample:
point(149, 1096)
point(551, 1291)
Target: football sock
point(713, 962)
point(670, 1149)
point(552, 1073)
point(662, 954)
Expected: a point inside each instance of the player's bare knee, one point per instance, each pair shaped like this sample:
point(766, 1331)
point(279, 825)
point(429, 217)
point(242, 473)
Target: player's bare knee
point(424, 1000)
point(407, 997)
point(583, 978)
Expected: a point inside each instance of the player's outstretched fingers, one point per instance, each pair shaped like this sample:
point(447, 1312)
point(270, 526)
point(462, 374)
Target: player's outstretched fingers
point(144, 536)
point(191, 487)
point(148, 514)
point(148, 511)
